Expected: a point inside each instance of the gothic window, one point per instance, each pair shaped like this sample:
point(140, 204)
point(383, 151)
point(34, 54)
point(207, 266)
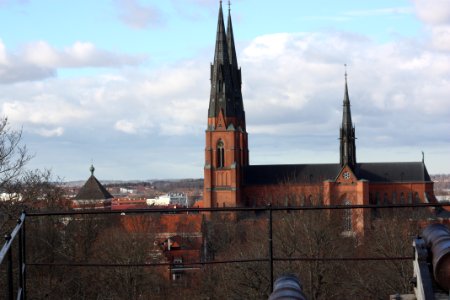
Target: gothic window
point(220, 154)
point(347, 220)
point(376, 201)
point(377, 198)
point(402, 198)
point(416, 198)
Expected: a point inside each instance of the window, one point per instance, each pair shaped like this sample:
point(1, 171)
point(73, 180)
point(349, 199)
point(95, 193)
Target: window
point(220, 154)
point(402, 198)
point(177, 260)
point(416, 198)
point(347, 218)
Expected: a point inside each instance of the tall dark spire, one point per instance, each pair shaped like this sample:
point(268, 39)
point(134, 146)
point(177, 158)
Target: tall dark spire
point(235, 70)
point(230, 42)
point(347, 133)
point(226, 93)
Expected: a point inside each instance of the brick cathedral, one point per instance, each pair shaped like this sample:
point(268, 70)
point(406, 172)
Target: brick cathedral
point(230, 179)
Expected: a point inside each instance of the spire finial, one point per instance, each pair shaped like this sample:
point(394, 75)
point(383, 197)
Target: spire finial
point(423, 156)
point(345, 74)
point(92, 169)
point(229, 5)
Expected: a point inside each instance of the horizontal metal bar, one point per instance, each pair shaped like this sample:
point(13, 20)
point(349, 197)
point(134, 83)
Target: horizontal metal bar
point(223, 261)
point(231, 209)
point(344, 258)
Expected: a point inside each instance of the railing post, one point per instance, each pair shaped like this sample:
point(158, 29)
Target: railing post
point(20, 258)
point(24, 257)
point(269, 207)
point(9, 270)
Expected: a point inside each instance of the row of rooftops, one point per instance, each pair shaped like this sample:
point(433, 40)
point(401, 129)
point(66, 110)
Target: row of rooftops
point(298, 173)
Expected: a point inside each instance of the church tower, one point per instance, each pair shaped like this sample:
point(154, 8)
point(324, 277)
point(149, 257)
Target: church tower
point(226, 151)
point(347, 134)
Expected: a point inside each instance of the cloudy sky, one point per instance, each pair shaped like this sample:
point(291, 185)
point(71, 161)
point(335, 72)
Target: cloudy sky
point(125, 83)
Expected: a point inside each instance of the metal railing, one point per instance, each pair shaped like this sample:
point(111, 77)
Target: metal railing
point(6, 253)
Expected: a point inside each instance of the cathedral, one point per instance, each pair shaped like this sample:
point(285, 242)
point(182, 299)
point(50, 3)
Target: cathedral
point(230, 180)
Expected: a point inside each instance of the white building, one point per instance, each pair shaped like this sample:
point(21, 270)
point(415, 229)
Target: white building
point(179, 199)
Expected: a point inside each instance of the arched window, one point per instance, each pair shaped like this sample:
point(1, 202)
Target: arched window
point(385, 199)
point(347, 220)
point(402, 198)
point(416, 198)
point(220, 154)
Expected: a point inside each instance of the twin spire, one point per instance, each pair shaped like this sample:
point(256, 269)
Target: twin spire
point(347, 133)
point(226, 95)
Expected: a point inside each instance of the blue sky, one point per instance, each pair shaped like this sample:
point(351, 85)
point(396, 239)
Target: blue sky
point(125, 83)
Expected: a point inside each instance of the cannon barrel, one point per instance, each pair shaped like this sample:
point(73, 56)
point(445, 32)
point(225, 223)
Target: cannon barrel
point(287, 287)
point(437, 238)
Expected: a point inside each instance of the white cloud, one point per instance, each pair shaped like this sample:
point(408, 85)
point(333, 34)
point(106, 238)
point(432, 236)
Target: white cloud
point(43, 109)
point(125, 126)
point(434, 12)
point(78, 55)
point(380, 12)
point(137, 15)
point(436, 16)
point(3, 55)
point(53, 132)
point(39, 60)
point(440, 36)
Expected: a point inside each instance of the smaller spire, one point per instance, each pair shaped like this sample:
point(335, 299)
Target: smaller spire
point(92, 169)
point(423, 157)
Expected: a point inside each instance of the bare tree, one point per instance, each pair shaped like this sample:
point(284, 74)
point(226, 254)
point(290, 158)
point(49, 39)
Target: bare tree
point(13, 155)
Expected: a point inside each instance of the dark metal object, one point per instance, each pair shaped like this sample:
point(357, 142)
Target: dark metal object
point(423, 286)
point(215, 262)
point(270, 247)
point(230, 209)
point(437, 239)
point(6, 252)
point(287, 287)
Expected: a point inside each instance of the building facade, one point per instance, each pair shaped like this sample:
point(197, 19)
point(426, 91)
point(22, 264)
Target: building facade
point(230, 180)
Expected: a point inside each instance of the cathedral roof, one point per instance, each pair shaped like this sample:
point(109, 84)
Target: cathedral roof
point(393, 172)
point(279, 174)
point(93, 190)
point(315, 173)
